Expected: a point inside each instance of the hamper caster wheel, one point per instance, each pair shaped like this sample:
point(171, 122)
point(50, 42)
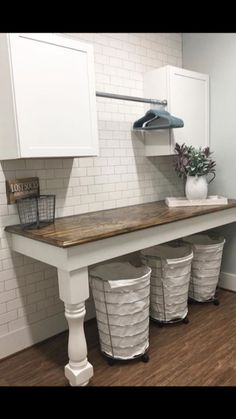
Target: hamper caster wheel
point(186, 320)
point(145, 357)
point(111, 361)
point(216, 302)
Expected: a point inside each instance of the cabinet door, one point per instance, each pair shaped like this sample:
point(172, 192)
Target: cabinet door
point(53, 79)
point(188, 100)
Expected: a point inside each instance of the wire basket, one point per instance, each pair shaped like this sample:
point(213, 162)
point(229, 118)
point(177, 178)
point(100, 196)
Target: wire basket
point(171, 269)
point(121, 295)
point(36, 212)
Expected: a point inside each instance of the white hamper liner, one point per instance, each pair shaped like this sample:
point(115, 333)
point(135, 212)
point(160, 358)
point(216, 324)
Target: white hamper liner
point(171, 268)
point(206, 265)
point(121, 295)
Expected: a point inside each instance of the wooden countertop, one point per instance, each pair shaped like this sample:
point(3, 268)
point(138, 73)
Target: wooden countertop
point(83, 228)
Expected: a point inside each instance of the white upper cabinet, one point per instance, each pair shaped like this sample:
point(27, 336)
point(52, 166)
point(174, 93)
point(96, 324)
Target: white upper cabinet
point(47, 100)
point(187, 94)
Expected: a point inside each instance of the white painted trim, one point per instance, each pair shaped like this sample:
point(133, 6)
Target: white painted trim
point(187, 73)
point(29, 335)
point(55, 39)
point(228, 281)
point(52, 255)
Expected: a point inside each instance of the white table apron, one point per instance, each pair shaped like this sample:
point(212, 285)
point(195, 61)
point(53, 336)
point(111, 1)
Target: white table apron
point(72, 266)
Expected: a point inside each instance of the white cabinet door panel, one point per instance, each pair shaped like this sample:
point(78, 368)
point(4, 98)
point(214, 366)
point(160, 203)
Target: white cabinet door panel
point(54, 96)
point(189, 101)
point(187, 94)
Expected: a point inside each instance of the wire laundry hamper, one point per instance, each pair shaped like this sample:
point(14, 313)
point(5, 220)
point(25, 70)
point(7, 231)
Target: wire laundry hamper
point(206, 265)
point(171, 267)
point(36, 212)
point(121, 294)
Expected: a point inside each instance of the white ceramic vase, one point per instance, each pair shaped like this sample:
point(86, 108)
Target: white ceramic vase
point(196, 187)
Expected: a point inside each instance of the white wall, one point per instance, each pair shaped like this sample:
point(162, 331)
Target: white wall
point(30, 309)
point(215, 54)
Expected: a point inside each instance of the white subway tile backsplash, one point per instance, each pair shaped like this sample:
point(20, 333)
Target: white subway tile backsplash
point(25, 290)
point(3, 329)
point(3, 210)
point(12, 210)
point(54, 184)
point(37, 296)
point(53, 163)
point(50, 272)
point(62, 173)
point(80, 190)
point(115, 195)
point(11, 284)
point(3, 186)
point(17, 324)
point(108, 170)
point(3, 198)
point(7, 317)
point(127, 193)
point(122, 202)
point(101, 197)
point(95, 206)
point(14, 164)
point(34, 163)
point(121, 175)
point(104, 135)
point(3, 308)
point(17, 303)
point(28, 267)
point(74, 200)
point(81, 209)
point(34, 277)
point(95, 189)
point(69, 163)
point(25, 173)
point(52, 291)
point(54, 309)
point(120, 169)
point(114, 178)
point(116, 43)
point(93, 171)
point(99, 180)
point(85, 162)
point(64, 212)
point(45, 303)
point(7, 274)
point(87, 199)
point(88, 180)
point(122, 186)
point(109, 187)
point(36, 317)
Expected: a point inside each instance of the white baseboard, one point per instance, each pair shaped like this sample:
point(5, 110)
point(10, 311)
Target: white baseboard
point(27, 336)
point(228, 281)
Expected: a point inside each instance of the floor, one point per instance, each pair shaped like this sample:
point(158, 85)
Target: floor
point(201, 353)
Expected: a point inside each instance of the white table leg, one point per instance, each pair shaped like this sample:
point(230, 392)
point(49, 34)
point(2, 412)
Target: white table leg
point(74, 290)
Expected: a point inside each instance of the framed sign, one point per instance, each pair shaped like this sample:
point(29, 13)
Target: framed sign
point(21, 188)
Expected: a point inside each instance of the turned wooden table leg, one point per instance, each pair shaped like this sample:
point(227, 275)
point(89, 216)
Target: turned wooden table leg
point(74, 290)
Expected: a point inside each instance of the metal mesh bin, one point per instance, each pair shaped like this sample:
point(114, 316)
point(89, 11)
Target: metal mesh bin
point(36, 212)
point(171, 268)
point(205, 266)
point(121, 294)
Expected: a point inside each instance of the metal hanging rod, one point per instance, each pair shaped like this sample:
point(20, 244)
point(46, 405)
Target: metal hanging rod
point(132, 98)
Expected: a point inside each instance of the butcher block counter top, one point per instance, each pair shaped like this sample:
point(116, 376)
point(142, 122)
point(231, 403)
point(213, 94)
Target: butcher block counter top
point(77, 229)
